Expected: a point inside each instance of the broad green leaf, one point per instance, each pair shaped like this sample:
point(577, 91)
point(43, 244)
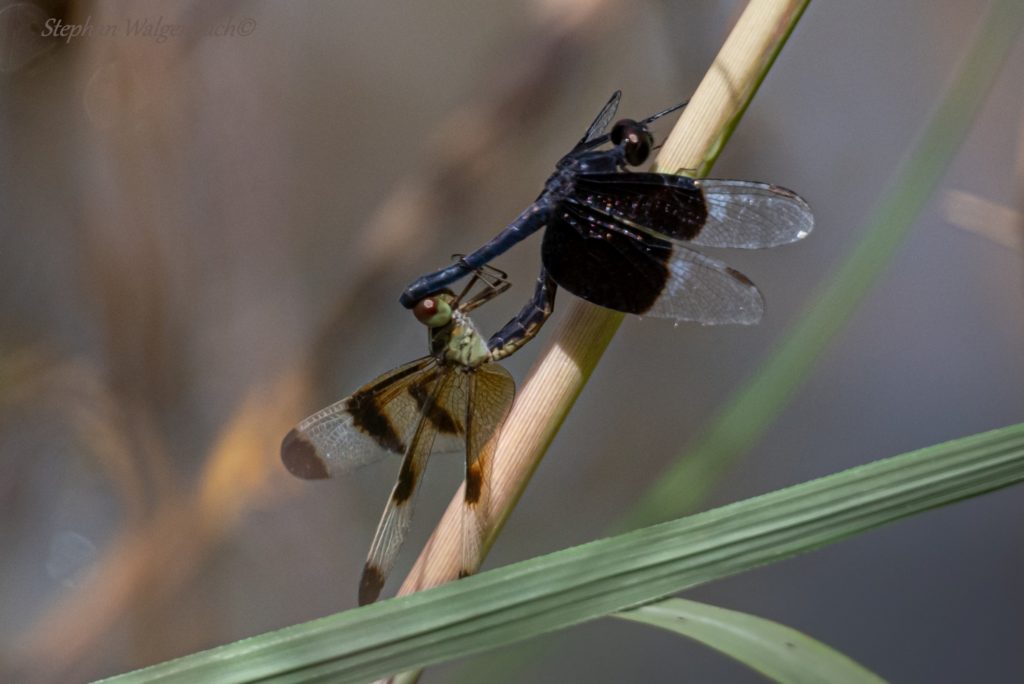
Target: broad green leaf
point(776, 651)
point(585, 582)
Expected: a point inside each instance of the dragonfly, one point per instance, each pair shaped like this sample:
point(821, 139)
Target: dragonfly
point(454, 398)
point(622, 239)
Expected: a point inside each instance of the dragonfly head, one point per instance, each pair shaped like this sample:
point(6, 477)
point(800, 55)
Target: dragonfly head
point(434, 311)
point(634, 138)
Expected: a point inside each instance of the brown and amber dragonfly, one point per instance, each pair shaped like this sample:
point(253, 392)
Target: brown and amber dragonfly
point(453, 398)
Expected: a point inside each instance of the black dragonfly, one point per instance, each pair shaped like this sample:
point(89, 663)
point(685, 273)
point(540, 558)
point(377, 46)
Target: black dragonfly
point(453, 399)
point(622, 239)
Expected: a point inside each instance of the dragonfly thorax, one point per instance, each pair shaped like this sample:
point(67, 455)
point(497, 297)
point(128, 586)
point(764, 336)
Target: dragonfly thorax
point(600, 161)
point(460, 343)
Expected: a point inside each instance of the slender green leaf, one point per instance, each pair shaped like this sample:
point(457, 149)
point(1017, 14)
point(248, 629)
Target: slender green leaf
point(740, 423)
point(776, 651)
point(564, 588)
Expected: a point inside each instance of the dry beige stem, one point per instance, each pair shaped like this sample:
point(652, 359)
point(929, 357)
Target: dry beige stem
point(571, 356)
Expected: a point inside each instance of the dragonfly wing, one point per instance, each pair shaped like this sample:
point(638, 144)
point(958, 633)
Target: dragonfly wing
point(615, 265)
point(491, 390)
point(752, 215)
point(707, 212)
point(595, 132)
point(707, 291)
point(441, 401)
point(376, 420)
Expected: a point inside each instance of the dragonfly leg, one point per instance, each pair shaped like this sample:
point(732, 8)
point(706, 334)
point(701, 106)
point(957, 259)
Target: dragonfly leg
point(495, 283)
point(527, 323)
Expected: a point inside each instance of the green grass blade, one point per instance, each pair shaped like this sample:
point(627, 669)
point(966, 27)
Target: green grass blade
point(578, 584)
point(739, 425)
point(776, 651)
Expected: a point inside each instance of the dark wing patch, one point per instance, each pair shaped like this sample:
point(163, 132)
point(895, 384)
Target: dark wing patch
point(605, 261)
point(300, 457)
point(370, 417)
point(672, 206)
point(707, 212)
point(408, 478)
point(596, 260)
point(437, 412)
point(376, 420)
point(370, 584)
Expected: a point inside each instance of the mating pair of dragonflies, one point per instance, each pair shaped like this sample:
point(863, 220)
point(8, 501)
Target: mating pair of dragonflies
point(617, 238)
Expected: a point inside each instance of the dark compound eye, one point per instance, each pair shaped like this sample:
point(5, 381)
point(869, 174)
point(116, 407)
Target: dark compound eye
point(636, 141)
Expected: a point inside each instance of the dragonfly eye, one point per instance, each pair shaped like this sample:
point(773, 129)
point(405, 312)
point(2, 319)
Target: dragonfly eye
point(433, 312)
point(634, 138)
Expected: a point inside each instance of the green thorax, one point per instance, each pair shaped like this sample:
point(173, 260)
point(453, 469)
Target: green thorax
point(459, 343)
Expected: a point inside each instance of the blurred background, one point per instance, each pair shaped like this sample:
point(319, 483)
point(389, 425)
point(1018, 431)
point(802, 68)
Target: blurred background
point(203, 238)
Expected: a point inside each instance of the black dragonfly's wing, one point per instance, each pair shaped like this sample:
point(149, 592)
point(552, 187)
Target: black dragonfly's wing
point(601, 259)
point(490, 390)
point(597, 128)
point(376, 420)
point(441, 407)
point(706, 212)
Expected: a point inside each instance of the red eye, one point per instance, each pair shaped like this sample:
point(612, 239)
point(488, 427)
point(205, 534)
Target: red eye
point(634, 138)
point(425, 309)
